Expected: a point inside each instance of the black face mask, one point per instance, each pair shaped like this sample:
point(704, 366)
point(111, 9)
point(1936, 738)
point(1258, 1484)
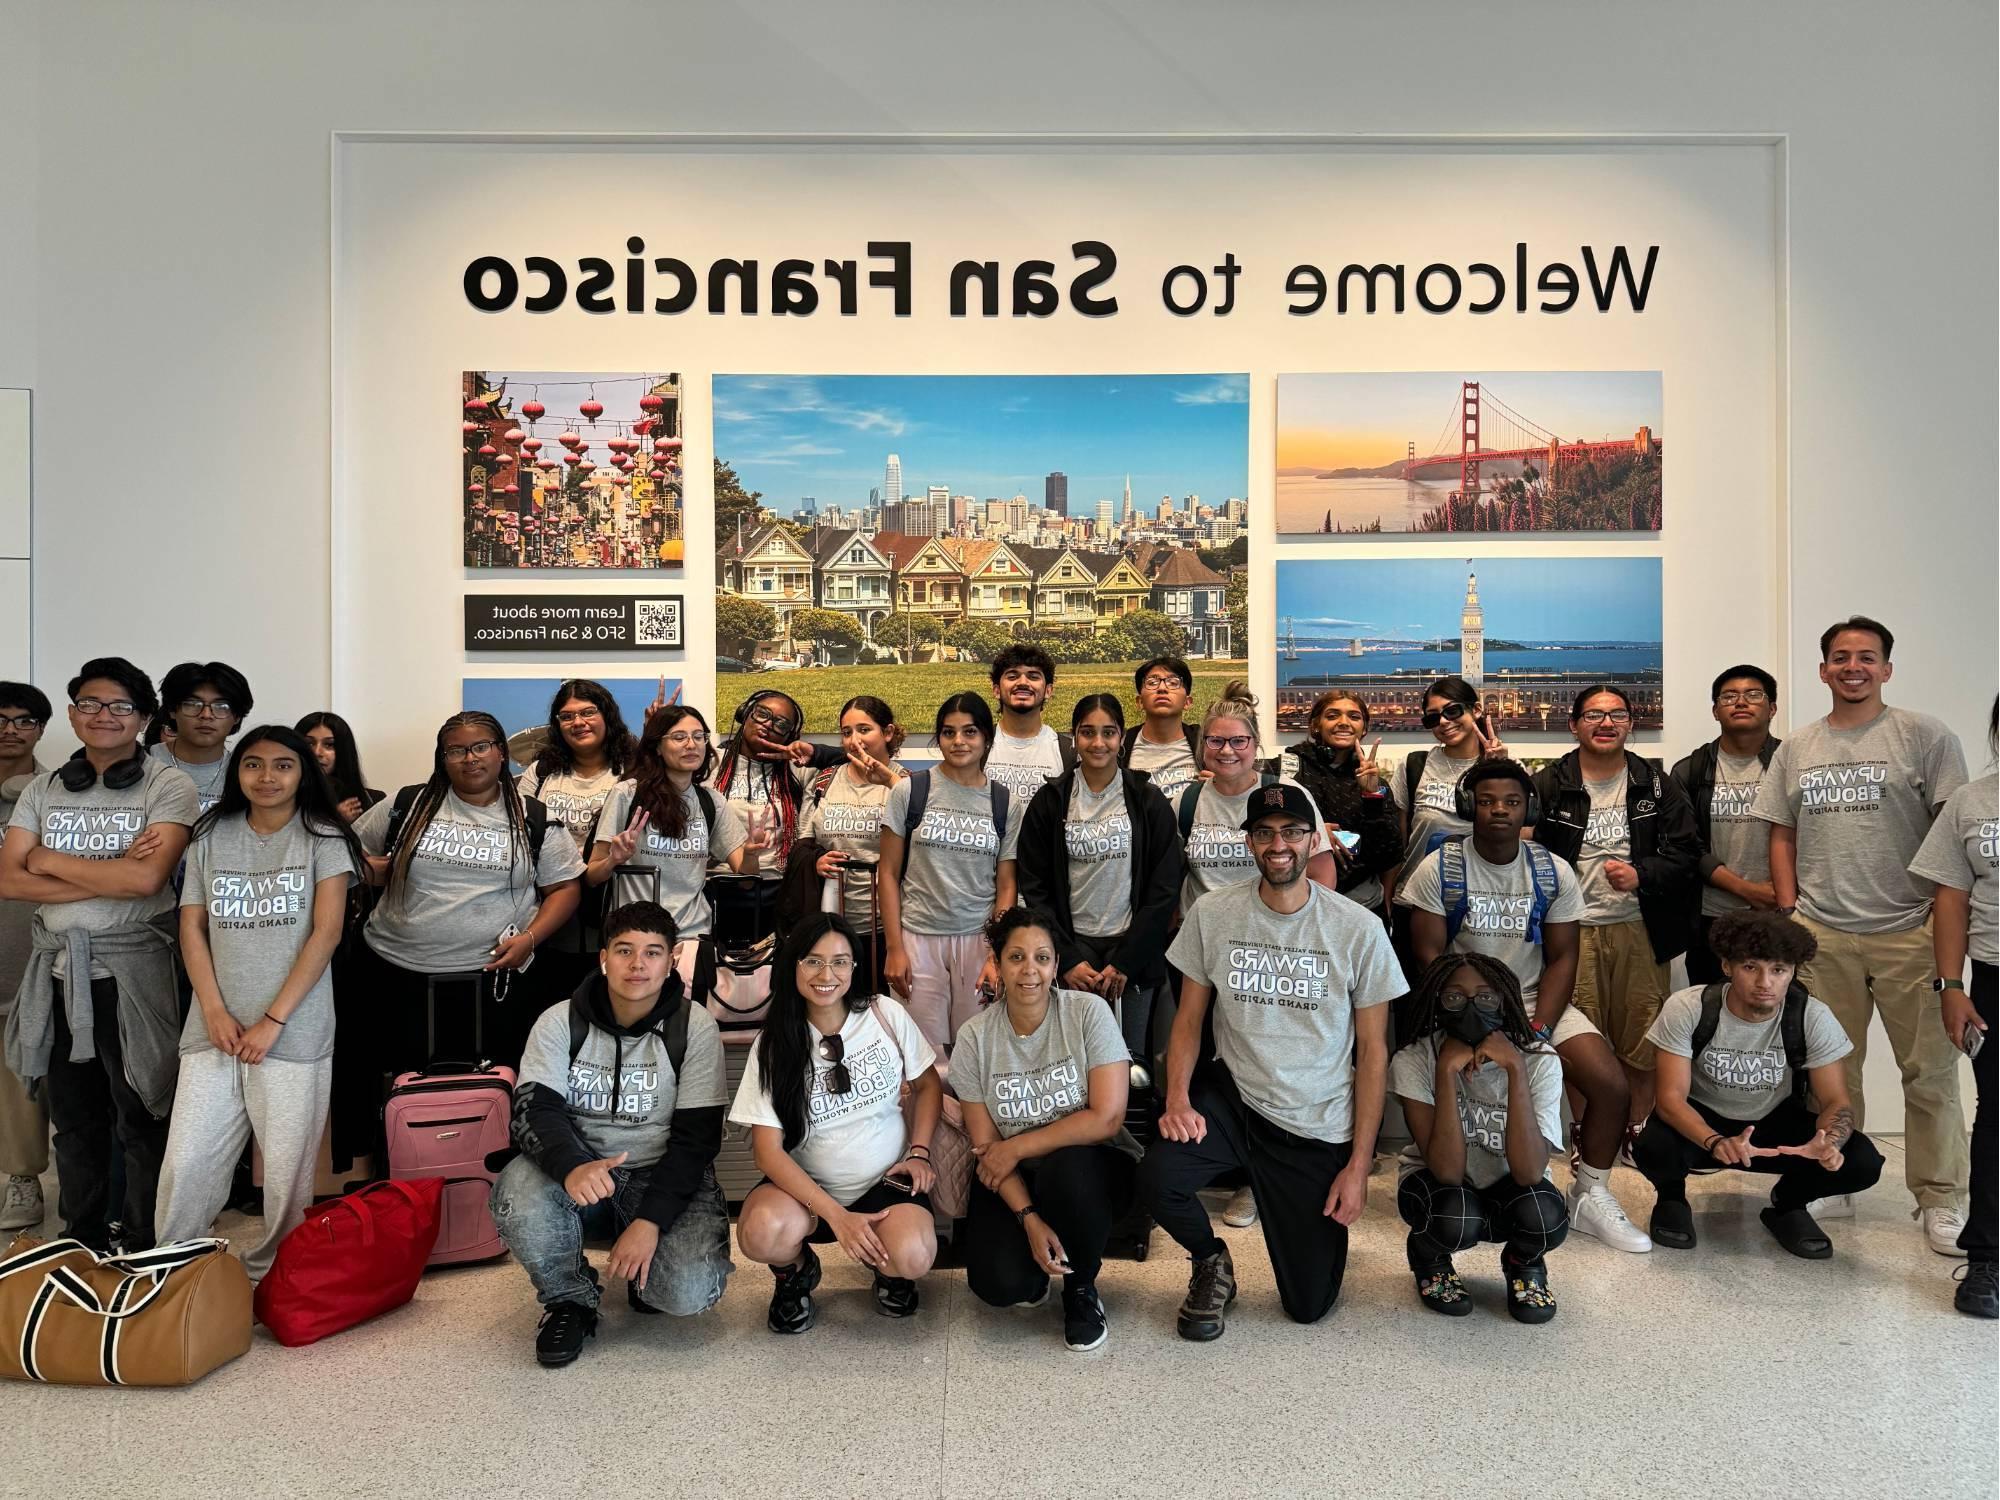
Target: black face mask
point(1471, 1025)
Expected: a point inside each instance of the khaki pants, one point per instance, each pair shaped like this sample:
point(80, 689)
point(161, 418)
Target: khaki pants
point(24, 1129)
point(1620, 987)
point(1859, 974)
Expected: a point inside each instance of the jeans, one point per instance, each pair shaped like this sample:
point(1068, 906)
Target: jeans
point(99, 1119)
point(546, 1231)
point(1079, 1191)
point(1664, 1156)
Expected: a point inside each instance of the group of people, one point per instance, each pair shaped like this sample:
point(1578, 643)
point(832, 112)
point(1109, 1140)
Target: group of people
point(1115, 967)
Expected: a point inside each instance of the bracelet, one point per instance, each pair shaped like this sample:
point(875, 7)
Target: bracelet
point(1021, 1214)
point(914, 1149)
point(274, 1020)
point(1708, 1145)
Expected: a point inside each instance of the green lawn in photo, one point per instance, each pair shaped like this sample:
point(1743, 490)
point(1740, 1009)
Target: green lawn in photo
point(916, 690)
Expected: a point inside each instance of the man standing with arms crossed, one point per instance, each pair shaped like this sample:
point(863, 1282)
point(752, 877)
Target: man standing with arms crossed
point(1850, 798)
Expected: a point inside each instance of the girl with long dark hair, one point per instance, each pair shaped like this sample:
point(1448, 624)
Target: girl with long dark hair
point(262, 909)
point(1482, 1095)
point(473, 881)
point(822, 1097)
point(1425, 784)
point(1100, 855)
point(1345, 779)
point(339, 756)
point(843, 817)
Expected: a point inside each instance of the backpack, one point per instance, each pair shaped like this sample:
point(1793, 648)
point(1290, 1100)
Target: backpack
point(673, 1031)
point(1191, 799)
point(1456, 899)
point(1791, 1029)
point(533, 813)
point(1413, 775)
point(920, 795)
point(594, 903)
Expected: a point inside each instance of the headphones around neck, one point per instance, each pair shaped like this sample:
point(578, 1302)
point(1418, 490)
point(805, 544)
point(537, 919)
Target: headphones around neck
point(1461, 792)
point(798, 714)
point(77, 774)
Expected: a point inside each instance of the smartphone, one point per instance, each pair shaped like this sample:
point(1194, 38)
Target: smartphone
point(1347, 839)
point(1974, 1040)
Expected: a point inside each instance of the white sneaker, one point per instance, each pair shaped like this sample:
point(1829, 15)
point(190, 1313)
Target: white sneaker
point(1597, 1213)
point(21, 1207)
point(1942, 1227)
point(1839, 1206)
point(1242, 1210)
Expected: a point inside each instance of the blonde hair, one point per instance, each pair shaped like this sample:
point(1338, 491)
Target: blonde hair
point(1236, 702)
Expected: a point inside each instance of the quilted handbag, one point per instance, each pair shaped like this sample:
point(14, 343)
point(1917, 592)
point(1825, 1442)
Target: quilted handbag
point(951, 1148)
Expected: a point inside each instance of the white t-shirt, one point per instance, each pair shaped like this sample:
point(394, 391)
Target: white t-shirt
point(1963, 852)
point(1482, 1106)
point(848, 819)
point(572, 800)
point(1433, 815)
point(1097, 839)
point(1022, 765)
point(1607, 836)
point(749, 796)
point(672, 871)
point(852, 1138)
point(1742, 1074)
point(955, 853)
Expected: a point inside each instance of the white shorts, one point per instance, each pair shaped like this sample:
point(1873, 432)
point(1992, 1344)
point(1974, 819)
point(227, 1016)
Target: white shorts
point(1570, 1025)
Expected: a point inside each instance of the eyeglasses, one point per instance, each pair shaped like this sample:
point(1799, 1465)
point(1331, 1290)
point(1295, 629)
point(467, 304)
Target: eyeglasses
point(686, 737)
point(477, 747)
point(813, 964)
point(1484, 1000)
point(838, 1079)
point(1748, 695)
point(1238, 742)
point(1291, 833)
point(118, 708)
point(763, 718)
point(1605, 716)
point(1162, 680)
point(21, 721)
point(576, 715)
point(1436, 716)
point(204, 708)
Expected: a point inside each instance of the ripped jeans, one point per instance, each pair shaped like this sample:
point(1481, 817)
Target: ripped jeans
point(546, 1232)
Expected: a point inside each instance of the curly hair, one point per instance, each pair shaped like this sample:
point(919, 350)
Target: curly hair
point(1761, 936)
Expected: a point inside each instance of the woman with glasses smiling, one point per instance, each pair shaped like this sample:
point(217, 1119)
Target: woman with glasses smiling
point(822, 1095)
point(474, 881)
point(1211, 812)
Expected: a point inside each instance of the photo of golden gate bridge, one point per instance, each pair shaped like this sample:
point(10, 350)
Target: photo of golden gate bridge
point(1366, 454)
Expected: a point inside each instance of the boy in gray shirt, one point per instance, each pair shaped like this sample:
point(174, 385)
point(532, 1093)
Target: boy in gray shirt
point(24, 1119)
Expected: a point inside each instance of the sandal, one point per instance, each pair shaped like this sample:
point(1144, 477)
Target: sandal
point(1529, 1299)
point(1439, 1289)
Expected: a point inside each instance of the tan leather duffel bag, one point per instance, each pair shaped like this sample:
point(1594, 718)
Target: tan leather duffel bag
point(165, 1316)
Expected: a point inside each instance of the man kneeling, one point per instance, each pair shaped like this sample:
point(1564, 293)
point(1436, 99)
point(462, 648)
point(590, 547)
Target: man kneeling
point(618, 1115)
point(1737, 1060)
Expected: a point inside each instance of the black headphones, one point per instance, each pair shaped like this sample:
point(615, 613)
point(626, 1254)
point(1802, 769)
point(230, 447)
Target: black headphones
point(798, 714)
point(77, 774)
point(1513, 770)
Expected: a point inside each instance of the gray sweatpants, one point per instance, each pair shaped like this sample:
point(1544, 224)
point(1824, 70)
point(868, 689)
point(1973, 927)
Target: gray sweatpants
point(219, 1105)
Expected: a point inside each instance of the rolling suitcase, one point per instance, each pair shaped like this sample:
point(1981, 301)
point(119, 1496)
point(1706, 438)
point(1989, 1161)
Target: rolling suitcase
point(735, 1168)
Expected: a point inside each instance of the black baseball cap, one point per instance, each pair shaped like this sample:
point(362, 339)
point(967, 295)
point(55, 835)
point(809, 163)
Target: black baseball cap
point(1279, 798)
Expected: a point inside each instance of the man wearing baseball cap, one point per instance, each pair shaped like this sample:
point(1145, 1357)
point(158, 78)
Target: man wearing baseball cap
point(1299, 979)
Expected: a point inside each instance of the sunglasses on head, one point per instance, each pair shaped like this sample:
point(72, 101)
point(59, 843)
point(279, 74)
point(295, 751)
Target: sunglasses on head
point(1436, 716)
point(838, 1079)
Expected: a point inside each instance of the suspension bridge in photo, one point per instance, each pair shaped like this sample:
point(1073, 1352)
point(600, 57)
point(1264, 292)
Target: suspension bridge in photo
point(1488, 430)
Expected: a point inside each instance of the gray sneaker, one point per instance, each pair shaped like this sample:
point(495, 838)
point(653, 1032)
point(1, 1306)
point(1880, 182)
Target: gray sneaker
point(1211, 1288)
point(21, 1206)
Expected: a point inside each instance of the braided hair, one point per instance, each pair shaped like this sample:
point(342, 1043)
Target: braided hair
point(432, 796)
point(1427, 1012)
point(781, 787)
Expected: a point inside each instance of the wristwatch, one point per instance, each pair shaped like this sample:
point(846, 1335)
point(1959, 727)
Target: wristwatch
point(1939, 986)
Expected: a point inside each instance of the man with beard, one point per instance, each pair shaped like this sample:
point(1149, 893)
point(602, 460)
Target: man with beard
point(1026, 752)
point(1300, 979)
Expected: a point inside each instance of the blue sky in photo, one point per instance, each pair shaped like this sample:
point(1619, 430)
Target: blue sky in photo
point(988, 436)
point(1524, 598)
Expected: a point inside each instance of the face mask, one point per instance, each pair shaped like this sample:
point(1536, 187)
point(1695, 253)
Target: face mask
point(1471, 1025)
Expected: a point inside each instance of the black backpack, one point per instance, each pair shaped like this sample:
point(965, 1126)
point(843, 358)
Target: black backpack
point(920, 795)
point(1791, 1029)
point(1191, 799)
point(673, 1031)
point(594, 904)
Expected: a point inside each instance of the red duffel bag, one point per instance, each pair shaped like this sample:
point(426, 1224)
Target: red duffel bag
point(351, 1259)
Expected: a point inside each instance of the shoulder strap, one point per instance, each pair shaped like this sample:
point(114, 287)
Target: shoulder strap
point(920, 793)
point(1190, 799)
point(708, 813)
point(675, 1034)
point(1542, 868)
point(1792, 1029)
point(1413, 772)
point(579, 1026)
point(996, 791)
point(1451, 886)
point(823, 781)
point(536, 815)
point(1066, 750)
point(902, 1062)
point(1711, 1017)
point(399, 811)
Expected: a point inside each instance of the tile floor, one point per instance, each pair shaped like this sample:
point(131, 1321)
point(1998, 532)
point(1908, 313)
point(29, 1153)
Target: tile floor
point(1731, 1370)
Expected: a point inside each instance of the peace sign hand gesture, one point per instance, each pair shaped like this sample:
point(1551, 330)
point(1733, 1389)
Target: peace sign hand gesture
point(662, 698)
point(620, 849)
point(1368, 768)
point(1491, 746)
point(869, 769)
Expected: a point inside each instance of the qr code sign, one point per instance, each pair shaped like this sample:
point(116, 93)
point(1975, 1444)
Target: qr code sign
point(656, 622)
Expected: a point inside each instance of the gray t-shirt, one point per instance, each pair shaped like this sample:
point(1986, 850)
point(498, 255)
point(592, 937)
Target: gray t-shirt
point(1098, 837)
point(1743, 1075)
point(1861, 802)
point(465, 885)
point(572, 800)
point(1026, 1082)
point(1022, 765)
point(848, 818)
point(1963, 851)
point(258, 894)
point(1482, 1106)
point(681, 864)
point(1606, 836)
point(749, 797)
point(1432, 818)
point(621, 1090)
point(1286, 989)
point(101, 823)
point(1218, 850)
point(208, 777)
point(1736, 835)
point(1498, 900)
point(955, 855)
point(1168, 767)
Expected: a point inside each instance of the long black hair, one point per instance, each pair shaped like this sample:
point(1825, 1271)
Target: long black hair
point(347, 777)
point(652, 789)
point(785, 1045)
point(620, 749)
point(317, 805)
point(1427, 1012)
point(1092, 703)
point(974, 708)
point(432, 796)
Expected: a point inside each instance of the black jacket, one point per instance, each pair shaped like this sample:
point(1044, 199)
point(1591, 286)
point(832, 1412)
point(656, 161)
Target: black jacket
point(1330, 779)
point(1665, 848)
point(1695, 776)
point(1042, 866)
point(547, 1133)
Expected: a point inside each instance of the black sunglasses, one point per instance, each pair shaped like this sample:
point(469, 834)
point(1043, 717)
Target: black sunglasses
point(1436, 716)
point(833, 1049)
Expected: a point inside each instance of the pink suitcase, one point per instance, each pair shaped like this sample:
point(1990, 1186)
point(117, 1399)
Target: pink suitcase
point(443, 1122)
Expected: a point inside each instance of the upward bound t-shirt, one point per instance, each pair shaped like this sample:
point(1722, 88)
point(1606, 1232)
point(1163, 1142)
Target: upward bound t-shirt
point(1861, 801)
point(852, 1138)
point(1026, 1082)
point(208, 776)
point(1961, 852)
point(1022, 765)
point(1218, 850)
point(1736, 835)
point(572, 800)
point(848, 818)
point(1097, 838)
point(1431, 813)
point(671, 871)
point(1286, 989)
point(955, 854)
point(1742, 1073)
point(100, 823)
point(1168, 767)
point(466, 883)
point(1498, 902)
point(622, 1090)
point(1483, 1100)
point(258, 895)
point(1606, 836)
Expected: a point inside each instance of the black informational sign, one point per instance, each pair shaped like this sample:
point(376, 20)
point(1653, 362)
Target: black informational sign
point(573, 622)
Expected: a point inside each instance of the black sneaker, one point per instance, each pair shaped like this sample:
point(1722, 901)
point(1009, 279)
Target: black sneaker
point(1529, 1299)
point(1673, 1224)
point(564, 1327)
point(1799, 1232)
point(1977, 1296)
point(1211, 1288)
point(1084, 1324)
point(792, 1309)
point(632, 1301)
point(895, 1296)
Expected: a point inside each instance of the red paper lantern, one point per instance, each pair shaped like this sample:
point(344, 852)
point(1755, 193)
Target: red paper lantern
point(570, 441)
point(663, 445)
point(468, 427)
point(573, 458)
point(510, 489)
point(487, 450)
point(512, 435)
point(531, 445)
point(533, 409)
point(475, 489)
point(478, 404)
point(591, 410)
point(504, 459)
point(672, 443)
point(652, 401)
point(585, 468)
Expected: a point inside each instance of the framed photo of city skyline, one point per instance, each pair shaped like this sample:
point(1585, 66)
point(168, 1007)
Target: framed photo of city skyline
point(1507, 453)
point(1527, 632)
point(923, 522)
point(570, 471)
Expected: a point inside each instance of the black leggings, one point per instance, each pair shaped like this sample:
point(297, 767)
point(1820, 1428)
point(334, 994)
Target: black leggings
point(1079, 1191)
point(1448, 1217)
point(1977, 1239)
point(1665, 1156)
point(108, 1145)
